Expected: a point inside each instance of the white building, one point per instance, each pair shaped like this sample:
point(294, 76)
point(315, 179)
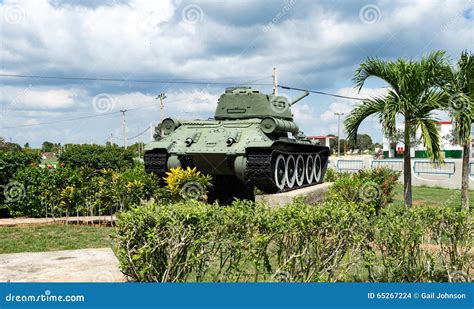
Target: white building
point(392, 150)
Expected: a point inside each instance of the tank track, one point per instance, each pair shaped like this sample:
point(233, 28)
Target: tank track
point(259, 172)
point(155, 162)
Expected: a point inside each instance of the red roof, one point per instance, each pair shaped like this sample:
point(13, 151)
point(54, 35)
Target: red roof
point(320, 137)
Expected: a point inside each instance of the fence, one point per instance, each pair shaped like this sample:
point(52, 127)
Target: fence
point(349, 165)
point(396, 165)
point(446, 168)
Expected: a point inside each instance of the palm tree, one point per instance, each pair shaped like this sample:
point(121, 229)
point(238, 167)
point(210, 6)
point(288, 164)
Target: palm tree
point(412, 95)
point(459, 87)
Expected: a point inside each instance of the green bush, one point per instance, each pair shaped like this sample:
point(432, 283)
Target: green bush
point(370, 186)
point(194, 241)
point(96, 157)
point(65, 191)
point(339, 241)
point(420, 244)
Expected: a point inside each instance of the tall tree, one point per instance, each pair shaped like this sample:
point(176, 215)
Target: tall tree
point(412, 94)
point(460, 104)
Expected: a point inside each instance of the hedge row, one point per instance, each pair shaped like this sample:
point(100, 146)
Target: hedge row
point(339, 241)
point(39, 192)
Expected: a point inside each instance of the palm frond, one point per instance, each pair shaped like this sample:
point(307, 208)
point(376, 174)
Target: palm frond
point(430, 136)
point(374, 67)
point(359, 113)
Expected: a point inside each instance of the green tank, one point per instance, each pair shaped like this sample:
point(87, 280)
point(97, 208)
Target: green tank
point(252, 141)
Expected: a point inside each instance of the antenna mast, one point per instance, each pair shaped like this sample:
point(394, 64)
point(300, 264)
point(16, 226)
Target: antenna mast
point(275, 81)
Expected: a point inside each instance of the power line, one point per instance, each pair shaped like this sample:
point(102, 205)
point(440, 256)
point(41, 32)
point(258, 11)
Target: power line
point(323, 93)
point(122, 80)
point(175, 81)
point(85, 117)
point(58, 121)
point(141, 133)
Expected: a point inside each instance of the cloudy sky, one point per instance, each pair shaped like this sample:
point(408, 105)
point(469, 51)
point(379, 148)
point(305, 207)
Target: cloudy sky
point(314, 45)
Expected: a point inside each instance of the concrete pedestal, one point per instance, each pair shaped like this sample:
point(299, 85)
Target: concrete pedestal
point(311, 195)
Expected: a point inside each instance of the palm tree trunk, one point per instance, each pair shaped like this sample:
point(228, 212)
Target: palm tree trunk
point(407, 167)
point(465, 177)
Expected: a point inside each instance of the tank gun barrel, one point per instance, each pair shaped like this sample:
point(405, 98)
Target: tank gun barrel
point(301, 97)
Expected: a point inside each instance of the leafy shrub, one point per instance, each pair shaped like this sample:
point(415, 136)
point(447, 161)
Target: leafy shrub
point(97, 157)
point(371, 186)
point(242, 242)
point(10, 162)
point(187, 183)
point(420, 244)
point(66, 191)
point(194, 241)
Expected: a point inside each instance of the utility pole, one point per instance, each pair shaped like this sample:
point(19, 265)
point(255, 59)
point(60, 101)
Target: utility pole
point(124, 129)
point(275, 81)
point(339, 133)
point(161, 96)
point(151, 132)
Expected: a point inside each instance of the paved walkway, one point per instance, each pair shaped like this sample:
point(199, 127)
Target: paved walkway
point(84, 265)
point(72, 219)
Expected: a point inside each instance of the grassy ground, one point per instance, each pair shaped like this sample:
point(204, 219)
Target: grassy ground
point(433, 196)
point(33, 238)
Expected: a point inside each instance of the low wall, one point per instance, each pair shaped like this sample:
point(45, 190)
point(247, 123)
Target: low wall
point(312, 194)
point(423, 172)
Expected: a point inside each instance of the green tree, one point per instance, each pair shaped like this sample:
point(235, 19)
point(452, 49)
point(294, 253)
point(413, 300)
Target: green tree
point(460, 104)
point(363, 142)
point(412, 94)
point(47, 146)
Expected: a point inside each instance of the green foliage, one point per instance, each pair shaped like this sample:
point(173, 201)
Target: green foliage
point(97, 157)
point(374, 187)
point(187, 183)
point(65, 191)
point(194, 241)
point(10, 162)
point(420, 244)
point(242, 242)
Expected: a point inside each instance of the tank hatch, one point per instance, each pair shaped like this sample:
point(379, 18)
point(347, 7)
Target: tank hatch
point(245, 102)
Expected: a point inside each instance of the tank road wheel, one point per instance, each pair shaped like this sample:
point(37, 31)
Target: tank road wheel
point(279, 175)
point(309, 169)
point(300, 170)
point(317, 168)
point(290, 171)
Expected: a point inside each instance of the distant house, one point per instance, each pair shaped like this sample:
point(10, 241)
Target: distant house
point(395, 149)
point(321, 140)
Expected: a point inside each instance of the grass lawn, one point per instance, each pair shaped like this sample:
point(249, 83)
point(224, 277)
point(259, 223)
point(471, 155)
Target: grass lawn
point(50, 237)
point(433, 196)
